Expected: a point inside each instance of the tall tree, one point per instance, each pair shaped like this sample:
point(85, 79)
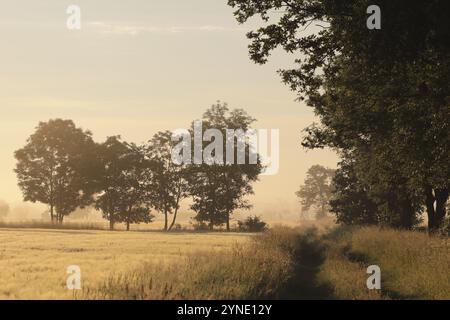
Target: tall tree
point(317, 190)
point(381, 95)
point(123, 183)
point(134, 189)
point(168, 185)
point(54, 167)
point(219, 187)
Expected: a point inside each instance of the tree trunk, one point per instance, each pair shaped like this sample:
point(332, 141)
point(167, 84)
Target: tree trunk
point(429, 202)
point(228, 221)
point(130, 208)
point(407, 214)
point(166, 221)
point(176, 209)
point(211, 224)
point(441, 201)
point(51, 214)
point(173, 220)
point(111, 223)
point(59, 218)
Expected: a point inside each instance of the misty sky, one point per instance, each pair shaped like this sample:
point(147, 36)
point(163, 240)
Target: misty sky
point(139, 66)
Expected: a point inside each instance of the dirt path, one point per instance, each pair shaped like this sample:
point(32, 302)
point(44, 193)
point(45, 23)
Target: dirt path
point(309, 257)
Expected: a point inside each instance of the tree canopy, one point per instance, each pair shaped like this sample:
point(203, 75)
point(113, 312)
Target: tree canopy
point(382, 96)
point(218, 189)
point(52, 168)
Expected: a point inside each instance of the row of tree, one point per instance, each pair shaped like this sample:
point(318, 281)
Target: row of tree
point(382, 96)
point(63, 167)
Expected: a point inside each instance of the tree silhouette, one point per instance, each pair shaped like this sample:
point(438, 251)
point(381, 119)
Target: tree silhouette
point(381, 95)
point(317, 189)
point(218, 189)
point(122, 183)
point(54, 167)
point(168, 186)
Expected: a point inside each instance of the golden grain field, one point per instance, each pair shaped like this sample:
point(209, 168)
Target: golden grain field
point(314, 261)
point(33, 262)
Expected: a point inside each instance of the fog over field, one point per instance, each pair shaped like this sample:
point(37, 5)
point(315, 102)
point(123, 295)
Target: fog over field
point(121, 83)
point(224, 150)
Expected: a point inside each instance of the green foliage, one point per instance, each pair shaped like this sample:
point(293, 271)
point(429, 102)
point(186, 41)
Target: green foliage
point(382, 96)
point(252, 224)
point(351, 202)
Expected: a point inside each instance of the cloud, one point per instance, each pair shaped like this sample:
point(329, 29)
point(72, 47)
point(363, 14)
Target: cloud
point(134, 30)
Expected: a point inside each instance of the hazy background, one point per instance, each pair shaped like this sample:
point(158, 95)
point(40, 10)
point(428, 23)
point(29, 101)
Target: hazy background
point(140, 66)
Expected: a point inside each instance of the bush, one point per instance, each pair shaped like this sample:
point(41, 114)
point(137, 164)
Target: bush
point(252, 224)
point(200, 226)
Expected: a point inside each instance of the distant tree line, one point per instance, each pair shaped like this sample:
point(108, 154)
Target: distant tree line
point(382, 96)
point(62, 167)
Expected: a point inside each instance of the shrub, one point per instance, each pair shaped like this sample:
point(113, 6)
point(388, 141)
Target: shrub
point(252, 224)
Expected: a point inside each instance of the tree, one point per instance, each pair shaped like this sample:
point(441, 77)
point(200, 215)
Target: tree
point(317, 189)
point(4, 209)
point(134, 195)
point(382, 96)
point(168, 186)
point(123, 183)
point(54, 167)
point(219, 188)
point(350, 201)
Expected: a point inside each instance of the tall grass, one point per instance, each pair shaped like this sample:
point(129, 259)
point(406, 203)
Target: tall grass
point(257, 270)
point(297, 264)
point(413, 265)
point(34, 261)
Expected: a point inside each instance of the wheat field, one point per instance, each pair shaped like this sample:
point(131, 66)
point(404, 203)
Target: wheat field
point(315, 261)
point(33, 262)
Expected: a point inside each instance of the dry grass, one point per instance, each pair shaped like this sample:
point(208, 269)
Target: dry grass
point(413, 265)
point(307, 262)
point(256, 270)
point(33, 262)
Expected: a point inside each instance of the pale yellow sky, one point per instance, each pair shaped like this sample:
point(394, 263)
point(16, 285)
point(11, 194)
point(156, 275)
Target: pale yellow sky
point(140, 66)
